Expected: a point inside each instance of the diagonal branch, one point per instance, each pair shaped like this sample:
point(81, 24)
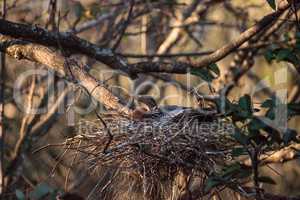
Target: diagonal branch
point(217, 55)
point(20, 49)
point(222, 52)
point(75, 44)
point(67, 41)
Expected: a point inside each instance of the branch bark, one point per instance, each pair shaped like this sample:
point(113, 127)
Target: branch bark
point(245, 36)
point(74, 44)
point(219, 53)
point(65, 40)
point(282, 155)
point(65, 67)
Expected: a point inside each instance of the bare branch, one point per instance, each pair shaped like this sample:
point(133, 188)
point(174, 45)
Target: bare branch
point(77, 45)
point(245, 36)
point(67, 41)
point(53, 60)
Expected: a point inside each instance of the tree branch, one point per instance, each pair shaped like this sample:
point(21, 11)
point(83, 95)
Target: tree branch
point(20, 49)
point(279, 156)
point(75, 44)
point(245, 36)
point(67, 41)
point(216, 55)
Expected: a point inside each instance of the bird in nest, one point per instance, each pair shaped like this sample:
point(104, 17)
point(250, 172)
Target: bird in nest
point(148, 109)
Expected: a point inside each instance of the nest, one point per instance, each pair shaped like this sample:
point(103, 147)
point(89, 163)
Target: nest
point(186, 139)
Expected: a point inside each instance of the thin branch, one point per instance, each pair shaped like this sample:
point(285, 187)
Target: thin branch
point(90, 24)
point(282, 155)
point(216, 55)
point(44, 123)
point(124, 26)
point(245, 36)
point(25, 121)
point(257, 45)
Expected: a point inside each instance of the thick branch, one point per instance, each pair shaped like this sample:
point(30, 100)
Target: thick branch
point(75, 44)
point(69, 68)
point(67, 41)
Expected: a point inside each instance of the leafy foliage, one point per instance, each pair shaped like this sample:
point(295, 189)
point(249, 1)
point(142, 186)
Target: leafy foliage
point(253, 135)
point(288, 52)
point(41, 191)
point(272, 4)
point(207, 74)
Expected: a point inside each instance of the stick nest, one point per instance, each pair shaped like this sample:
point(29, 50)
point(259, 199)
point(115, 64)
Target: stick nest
point(187, 138)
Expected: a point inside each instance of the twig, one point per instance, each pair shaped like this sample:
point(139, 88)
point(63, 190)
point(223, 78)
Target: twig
point(44, 123)
point(52, 13)
point(25, 121)
point(69, 169)
point(124, 26)
point(202, 53)
point(279, 156)
point(90, 24)
point(18, 151)
point(108, 132)
point(245, 36)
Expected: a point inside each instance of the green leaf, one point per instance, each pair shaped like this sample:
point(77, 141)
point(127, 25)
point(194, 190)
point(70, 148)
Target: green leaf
point(245, 173)
point(282, 54)
point(204, 74)
point(211, 183)
point(293, 109)
point(246, 107)
point(269, 103)
point(256, 125)
point(231, 169)
point(214, 67)
point(266, 179)
point(240, 137)
point(224, 105)
point(269, 55)
point(78, 9)
point(238, 152)
point(40, 191)
point(289, 135)
point(20, 195)
point(271, 114)
point(272, 4)
point(245, 102)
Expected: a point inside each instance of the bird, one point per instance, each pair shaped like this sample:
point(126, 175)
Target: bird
point(146, 104)
point(148, 109)
point(138, 113)
point(147, 101)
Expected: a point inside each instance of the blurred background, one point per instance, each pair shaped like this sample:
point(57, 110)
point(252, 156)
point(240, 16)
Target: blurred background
point(181, 30)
